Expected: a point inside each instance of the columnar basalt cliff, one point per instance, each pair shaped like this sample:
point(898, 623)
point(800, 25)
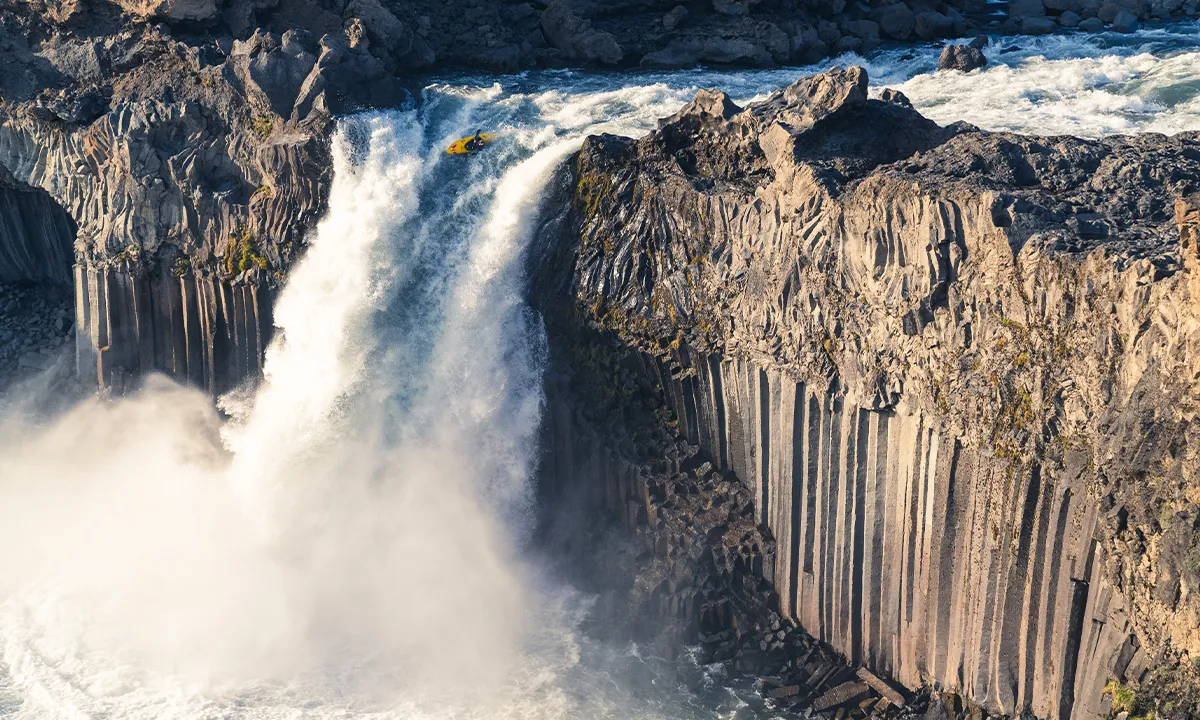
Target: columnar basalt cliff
point(173, 189)
point(186, 138)
point(956, 371)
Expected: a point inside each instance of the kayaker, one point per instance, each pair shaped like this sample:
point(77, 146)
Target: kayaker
point(476, 142)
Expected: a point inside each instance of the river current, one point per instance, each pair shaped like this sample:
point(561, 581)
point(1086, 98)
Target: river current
point(350, 538)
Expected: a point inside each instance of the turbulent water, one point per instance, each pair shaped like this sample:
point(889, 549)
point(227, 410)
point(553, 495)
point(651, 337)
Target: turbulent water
point(350, 538)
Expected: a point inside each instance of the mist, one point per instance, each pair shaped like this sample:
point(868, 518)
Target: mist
point(309, 532)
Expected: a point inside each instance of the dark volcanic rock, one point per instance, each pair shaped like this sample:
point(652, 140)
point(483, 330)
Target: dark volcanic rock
point(576, 37)
point(961, 57)
point(860, 314)
point(1125, 22)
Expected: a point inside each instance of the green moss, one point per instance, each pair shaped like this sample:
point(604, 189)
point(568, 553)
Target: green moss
point(1013, 324)
point(239, 253)
point(1127, 699)
point(262, 126)
point(590, 190)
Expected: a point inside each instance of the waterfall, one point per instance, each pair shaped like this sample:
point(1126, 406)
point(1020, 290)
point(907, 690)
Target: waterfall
point(349, 538)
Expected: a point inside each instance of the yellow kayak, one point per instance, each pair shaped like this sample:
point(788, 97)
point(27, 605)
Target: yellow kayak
point(460, 147)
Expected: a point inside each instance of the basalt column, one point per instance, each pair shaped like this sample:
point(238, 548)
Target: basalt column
point(37, 236)
point(907, 550)
point(200, 330)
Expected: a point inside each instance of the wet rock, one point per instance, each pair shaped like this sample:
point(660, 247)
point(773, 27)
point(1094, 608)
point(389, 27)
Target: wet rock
point(1108, 11)
point(961, 57)
point(673, 19)
point(575, 37)
point(1125, 22)
point(1069, 19)
point(383, 28)
point(1038, 26)
point(863, 29)
point(931, 25)
point(689, 52)
point(895, 97)
point(896, 21)
point(1026, 8)
point(736, 8)
point(1092, 24)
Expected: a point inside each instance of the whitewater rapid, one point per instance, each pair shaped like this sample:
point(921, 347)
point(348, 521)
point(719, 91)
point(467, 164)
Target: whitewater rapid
point(350, 538)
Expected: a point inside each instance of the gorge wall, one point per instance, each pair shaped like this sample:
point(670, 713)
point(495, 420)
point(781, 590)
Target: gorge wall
point(150, 139)
point(955, 371)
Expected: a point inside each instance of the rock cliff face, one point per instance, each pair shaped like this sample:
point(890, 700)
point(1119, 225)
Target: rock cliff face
point(172, 188)
point(165, 142)
point(956, 372)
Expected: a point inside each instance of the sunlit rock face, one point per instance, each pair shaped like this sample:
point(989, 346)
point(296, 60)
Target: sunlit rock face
point(955, 370)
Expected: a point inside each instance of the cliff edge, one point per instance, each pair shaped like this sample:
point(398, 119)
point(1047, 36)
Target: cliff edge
point(958, 373)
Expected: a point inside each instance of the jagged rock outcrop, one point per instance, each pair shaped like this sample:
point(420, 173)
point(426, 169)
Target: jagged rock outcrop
point(955, 369)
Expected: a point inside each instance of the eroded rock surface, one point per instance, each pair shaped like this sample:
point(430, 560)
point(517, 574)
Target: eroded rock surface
point(956, 370)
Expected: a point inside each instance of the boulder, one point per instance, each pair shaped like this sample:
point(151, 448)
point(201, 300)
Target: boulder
point(829, 33)
point(311, 15)
point(1166, 8)
point(848, 44)
point(1125, 22)
point(931, 25)
point(1092, 24)
point(1108, 12)
point(1069, 19)
point(1026, 8)
point(894, 97)
point(1038, 26)
point(72, 106)
point(690, 51)
point(980, 42)
point(383, 28)
point(673, 19)
point(863, 29)
point(896, 21)
point(961, 57)
point(575, 37)
point(1062, 6)
point(82, 61)
point(811, 100)
point(734, 8)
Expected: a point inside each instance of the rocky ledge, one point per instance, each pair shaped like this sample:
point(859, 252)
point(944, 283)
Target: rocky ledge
point(954, 372)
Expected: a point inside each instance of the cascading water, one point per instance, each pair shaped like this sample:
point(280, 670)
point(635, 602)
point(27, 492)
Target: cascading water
point(351, 541)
